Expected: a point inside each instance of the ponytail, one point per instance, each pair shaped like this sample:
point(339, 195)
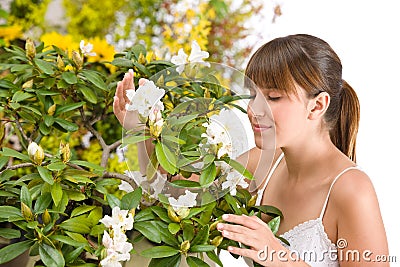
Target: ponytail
point(344, 133)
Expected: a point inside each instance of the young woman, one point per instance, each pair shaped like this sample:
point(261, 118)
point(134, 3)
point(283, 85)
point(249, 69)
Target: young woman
point(331, 212)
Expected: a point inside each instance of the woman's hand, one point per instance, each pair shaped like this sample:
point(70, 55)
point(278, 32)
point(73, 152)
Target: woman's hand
point(128, 119)
point(255, 233)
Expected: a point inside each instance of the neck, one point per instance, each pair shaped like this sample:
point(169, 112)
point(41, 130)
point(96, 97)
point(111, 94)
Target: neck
point(302, 160)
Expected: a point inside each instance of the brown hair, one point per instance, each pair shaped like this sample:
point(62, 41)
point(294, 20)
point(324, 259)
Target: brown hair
point(312, 64)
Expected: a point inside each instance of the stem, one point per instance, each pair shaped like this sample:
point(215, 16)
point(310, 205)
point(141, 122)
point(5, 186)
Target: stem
point(121, 177)
point(18, 166)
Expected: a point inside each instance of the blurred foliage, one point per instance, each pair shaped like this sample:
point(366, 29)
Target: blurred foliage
point(163, 26)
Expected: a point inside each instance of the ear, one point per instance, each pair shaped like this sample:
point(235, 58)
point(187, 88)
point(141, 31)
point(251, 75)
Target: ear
point(318, 105)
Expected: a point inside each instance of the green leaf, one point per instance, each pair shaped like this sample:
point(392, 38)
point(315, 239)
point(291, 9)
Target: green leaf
point(81, 210)
point(161, 213)
point(45, 130)
point(173, 228)
point(88, 94)
point(213, 256)
point(50, 256)
point(67, 107)
point(173, 261)
point(185, 183)
point(94, 78)
point(69, 241)
point(188, 231)
point(144, 215)
point(122, 62)
point(56, 166)
point(9, 233)
point(149, 229)
point(42, 203)
point(44, 66)
point(202, 248)
point(8, 152)
point(14, 250)
point(21, 96)
point(48, 83)
point(48, 120)
point(73, 255)
point(274, 224)
point(75, 195)
point(26, 196)
point(56, 193)
point(77, 225)
point(133, 139)
point(239, 167)
point(9, 211)
point(195, 262)
point(45, 174)
point(69, 77)
point(67, 125)
point(159, 252)
point(168, 238)
point(131, 200)
point(113, 201)
point(208, 175)
point(166, 158)
point(202, 236)
point(269, 210)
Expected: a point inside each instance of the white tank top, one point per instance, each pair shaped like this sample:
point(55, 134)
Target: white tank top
point(308, 240)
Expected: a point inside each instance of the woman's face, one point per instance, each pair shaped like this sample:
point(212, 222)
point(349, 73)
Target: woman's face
point(277, 119)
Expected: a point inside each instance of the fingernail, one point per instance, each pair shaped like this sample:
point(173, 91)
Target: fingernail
point(225, 216)
point(230, 248)
point(220, 226)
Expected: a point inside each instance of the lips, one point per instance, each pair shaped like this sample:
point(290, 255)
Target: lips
point(260, 127)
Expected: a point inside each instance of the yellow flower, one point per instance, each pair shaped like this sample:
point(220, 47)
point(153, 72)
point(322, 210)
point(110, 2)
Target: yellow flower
point(64, 42)
point(9, 33)
point(104, 52)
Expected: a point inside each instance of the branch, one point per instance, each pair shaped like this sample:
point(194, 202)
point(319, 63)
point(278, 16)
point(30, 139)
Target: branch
point(115, 145)
point(19, 126)
point(121, 177)
point(18, 166)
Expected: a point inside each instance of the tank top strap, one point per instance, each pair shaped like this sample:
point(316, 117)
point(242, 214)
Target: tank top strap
point(260, 193)
point(330, 188)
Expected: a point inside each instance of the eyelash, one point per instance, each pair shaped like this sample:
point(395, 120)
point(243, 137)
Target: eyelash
point(274, 98)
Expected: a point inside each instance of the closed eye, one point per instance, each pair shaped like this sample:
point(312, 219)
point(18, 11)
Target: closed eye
point(273, 98)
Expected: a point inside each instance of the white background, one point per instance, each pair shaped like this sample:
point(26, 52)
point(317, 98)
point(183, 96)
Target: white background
point(365, 35)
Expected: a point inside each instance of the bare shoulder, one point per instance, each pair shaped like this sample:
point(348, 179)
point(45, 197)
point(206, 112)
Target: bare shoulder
point(354, 191)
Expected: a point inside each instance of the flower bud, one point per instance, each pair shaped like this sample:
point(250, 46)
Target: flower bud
point(132, 211)
point(252, 201)
point(36, 153)
point(183, 212)
point(185, 246)
point(217, 241)
point(51, 110)
point(142, 60)
point(26, 212)
point(172, 215)
point(77, 59)
point(160, 81)
point(60, 63)
point(46, 218)
point(65, 152)
point(28, 84)
point(30, 49)
point(213, 226)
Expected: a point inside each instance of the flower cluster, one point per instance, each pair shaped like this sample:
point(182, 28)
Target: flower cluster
point(115, 242)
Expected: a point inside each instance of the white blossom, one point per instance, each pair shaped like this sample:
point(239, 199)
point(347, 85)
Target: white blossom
point(187, 200)
point(86, 49)
point(233, 179)
point(125, 186)
point(196, 56)
point(144, 98)
point(180, 60)
point(118, 219)
point(86, 139)
point(32, 149)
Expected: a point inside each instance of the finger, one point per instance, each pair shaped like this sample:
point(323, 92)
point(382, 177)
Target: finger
point(121, 96)
point(245, 238)
point(128, 80)
point(242, 220)
point(233, 228)
point(249, 253)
